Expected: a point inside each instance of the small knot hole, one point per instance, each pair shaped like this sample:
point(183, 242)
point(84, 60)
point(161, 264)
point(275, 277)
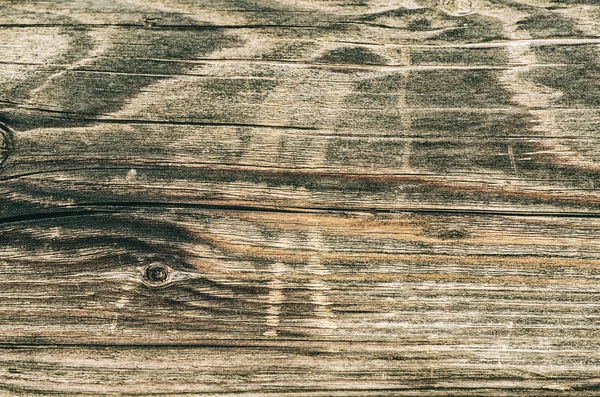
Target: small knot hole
point(157, 273)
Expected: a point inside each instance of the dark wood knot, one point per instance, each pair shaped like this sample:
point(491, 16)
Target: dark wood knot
point(157, 273)
point(6, 138)
point(452, 234)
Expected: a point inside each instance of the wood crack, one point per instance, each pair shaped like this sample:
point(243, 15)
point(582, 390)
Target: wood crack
point(99, 208)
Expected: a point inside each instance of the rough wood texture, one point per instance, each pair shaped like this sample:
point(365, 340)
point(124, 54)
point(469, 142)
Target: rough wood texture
point(299, 197)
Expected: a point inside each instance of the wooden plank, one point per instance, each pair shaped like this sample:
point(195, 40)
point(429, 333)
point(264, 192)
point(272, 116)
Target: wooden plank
point(435, 110)
point(463, 280)
point(396, 304)
point(306, 370)
point(308, 197)
point(422, 301)
point(258, 167)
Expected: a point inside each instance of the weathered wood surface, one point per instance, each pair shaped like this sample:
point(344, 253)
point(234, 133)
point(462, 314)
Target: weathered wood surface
point(299, 197)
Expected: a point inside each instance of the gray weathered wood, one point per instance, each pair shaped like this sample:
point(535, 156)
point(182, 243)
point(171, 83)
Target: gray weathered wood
point(299, 197)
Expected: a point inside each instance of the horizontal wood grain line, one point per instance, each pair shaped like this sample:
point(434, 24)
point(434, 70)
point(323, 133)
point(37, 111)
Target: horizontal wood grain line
point(107, 118)
point(94, 208)
point(383, 67)
point(155, 26)
point(374, 67)
point(319, 171)
point(78, 116)
point(292, 344)
point(152, 26)
point(49, 215)
point(413, 210)
point(325, 65)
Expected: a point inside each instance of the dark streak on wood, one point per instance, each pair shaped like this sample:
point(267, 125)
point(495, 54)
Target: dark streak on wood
point(6, 143)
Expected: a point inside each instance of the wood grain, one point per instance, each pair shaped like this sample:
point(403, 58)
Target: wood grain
point(299, 197)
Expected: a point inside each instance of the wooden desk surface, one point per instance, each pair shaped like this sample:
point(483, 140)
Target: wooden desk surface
point(299, 197)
